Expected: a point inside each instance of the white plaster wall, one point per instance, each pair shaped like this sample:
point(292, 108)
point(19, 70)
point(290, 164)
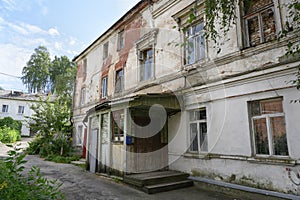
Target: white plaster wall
point(13, 106)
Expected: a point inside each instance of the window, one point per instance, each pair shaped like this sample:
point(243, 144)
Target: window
point(84, 68)
point(4, 108)
point(119, 81)
point(146, 64)
point(105, 50)
point(268, 127)
point(121, 40)
point(21, 110)
point(195, 47)
point(198, 130)
point(259, 21)
point(118, 126)
point(79, 135)
point(82, 96)
point(104, 87)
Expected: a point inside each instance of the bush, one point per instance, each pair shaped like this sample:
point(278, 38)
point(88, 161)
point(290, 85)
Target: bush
point(11, 123)
point(14, 185)
point(8, 135)
point(62, 159)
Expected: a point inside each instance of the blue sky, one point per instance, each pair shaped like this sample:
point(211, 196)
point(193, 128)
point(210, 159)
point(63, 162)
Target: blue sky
point(65, 27)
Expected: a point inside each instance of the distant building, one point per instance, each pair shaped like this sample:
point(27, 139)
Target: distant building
point(16, 105)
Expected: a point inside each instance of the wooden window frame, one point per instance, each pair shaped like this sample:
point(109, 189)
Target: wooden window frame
point(121, 40)
point(119, 80)
point(105, 50)
point(143, 59)
point(104, 87)
point(116, 122)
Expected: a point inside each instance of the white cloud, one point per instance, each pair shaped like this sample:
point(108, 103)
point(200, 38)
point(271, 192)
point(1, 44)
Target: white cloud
point(53, 32)
point(58, 45)
point(10, 5)
point(33, 29)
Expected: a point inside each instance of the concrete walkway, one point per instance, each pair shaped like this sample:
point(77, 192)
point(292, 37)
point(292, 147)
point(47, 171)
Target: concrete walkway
point(79, 184)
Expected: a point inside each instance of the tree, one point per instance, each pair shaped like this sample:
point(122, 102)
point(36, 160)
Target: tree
point(62, 75)
point(36, 72)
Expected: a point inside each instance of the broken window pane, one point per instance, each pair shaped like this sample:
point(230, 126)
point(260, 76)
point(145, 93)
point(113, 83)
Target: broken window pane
point(261, 136)
point(279, 136)
point(273, 106)
point(254, 31)
point(268, 24)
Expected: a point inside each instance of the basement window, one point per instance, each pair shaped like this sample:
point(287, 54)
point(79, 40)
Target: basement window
point(198, 130)
point(268, 127)
point(259, 21)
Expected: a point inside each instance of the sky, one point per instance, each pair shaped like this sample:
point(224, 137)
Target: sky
point(65, 27)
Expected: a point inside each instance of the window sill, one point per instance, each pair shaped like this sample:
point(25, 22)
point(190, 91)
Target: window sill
point(194, 65)
point(273, 160)
point(197, 155)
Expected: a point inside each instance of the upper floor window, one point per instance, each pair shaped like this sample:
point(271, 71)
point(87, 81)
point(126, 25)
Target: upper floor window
point(105, 50)
point(82, 96)
point(198, 130)
point(268, 127)
point(104, 87)
point(146, 58)
point(21, 110)
point(4, 108)
point(119, 85)
point(120, 40)
point(195, 44)
point(259, 20)
point(84, 68)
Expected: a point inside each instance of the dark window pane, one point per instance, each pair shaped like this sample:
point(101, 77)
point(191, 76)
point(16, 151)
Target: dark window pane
point(203, 137)
point(279, 136)
point(261, 136)
point(254, 5)
point(194, 137)
point(255, 108)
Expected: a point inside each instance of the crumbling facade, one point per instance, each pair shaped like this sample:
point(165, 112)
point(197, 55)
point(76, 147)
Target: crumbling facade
point(145, 102)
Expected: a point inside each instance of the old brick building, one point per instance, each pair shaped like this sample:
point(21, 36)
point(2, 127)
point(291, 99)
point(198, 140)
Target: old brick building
point(143, 102)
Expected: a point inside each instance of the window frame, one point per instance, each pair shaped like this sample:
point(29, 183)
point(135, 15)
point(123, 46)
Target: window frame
point(246, 17)
point(84, 66)
point(79, 135)
point(143, 58)
point(200, 149)
point(4, 108)
point(105, 50)
point(267, 117)
point(121, 40)
point(117, 137)
point(190, 34)
point(104, 82)
point(121, 79)
point(82, 95)
point(22, 110)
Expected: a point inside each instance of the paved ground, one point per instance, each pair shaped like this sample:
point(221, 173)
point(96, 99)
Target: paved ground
point(79, 184)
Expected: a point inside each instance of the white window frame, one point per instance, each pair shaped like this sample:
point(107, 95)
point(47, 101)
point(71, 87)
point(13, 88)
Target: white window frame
point(198, 122)
point(79, 135)
point(245, 42)
point(21, 108)
point(104, 87)
point(105, 50)
point(142, 63)
point(82, 96)
point(4, 108)
point(117, 78)
point(269, 130)
point(199, 53)
point(121, 40)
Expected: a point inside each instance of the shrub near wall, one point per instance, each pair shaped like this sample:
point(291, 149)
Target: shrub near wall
point(10, 130)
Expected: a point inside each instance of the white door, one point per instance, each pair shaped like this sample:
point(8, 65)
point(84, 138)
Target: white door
point(93, 150)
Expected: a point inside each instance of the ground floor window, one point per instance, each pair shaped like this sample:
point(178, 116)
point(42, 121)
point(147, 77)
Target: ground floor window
point(268, 127)
point(79, 135)
point(117, 121)
point(198, 130)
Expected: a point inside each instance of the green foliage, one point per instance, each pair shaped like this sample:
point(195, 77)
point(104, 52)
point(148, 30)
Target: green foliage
point(51, 121)
point(11, 123)
point(62, 159)
point(43, 75)
point(8, 135)
point(15, 185)
point(36, 72)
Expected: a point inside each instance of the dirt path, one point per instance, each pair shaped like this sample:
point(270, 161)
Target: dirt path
point(79, 184)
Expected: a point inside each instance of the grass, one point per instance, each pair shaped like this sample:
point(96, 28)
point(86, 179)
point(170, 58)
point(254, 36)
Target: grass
point(62, 159)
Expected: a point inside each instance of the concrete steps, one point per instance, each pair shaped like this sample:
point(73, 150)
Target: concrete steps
point(154, 182)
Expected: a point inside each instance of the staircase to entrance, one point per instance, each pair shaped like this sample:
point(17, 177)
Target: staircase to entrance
point(159, 181)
